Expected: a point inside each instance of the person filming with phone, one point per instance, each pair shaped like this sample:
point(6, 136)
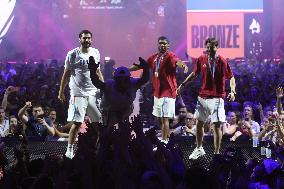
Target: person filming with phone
point(36, 125)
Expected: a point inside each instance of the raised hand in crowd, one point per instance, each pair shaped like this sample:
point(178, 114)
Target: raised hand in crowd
point(143, 63)
point(93, 66)
point(137, 126)
point(279, 95)
point(279, 92)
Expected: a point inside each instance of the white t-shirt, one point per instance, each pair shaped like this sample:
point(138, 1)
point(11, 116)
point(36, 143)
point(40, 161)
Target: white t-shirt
point(255, 127)
point(4, 128)
point(80, 83)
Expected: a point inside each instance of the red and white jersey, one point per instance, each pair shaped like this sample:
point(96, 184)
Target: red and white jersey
point(213, 87)
point(164, 82)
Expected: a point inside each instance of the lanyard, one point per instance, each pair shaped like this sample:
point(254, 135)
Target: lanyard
point(212, 68)
point(158, 61)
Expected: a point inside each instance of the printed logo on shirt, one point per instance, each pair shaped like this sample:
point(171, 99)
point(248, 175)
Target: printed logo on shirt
point(204, 65)
point(81, 62)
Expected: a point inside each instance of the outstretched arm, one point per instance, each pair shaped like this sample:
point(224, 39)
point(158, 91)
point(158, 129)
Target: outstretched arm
point(145, 76)
point(279, 95)
point(182, 65)
point(21, 113)
point(6, 95)
point(94, 74)
point(134, 67)
point(189, 78)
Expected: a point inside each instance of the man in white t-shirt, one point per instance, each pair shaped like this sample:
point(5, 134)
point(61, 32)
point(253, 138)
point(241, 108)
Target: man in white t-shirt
point(83, 94)
point(4, 123)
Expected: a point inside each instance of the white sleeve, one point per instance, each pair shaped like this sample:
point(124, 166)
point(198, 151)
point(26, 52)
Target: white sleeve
point(67, 61)
point(98, 56)
point(70, 59)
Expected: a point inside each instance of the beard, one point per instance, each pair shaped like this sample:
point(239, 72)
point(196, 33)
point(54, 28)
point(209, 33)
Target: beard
point(163, 49)
point(86, 44)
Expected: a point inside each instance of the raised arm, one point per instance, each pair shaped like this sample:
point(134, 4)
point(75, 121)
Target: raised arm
point(145, 76)
point(279, 95)
point(182, 65)
point(134, 67)
point(6, 95)
point(280, 131)
point(22, 111)
point(95, 74)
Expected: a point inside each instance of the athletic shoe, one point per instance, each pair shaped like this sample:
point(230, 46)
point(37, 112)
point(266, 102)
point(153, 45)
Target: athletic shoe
point(197, 152)
point(69, 154)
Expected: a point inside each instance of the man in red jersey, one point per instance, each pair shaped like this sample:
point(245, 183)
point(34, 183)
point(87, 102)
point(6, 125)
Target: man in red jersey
point(164, 65)
point(214, 70)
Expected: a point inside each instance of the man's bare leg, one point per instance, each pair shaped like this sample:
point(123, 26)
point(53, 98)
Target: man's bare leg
point(198, 151)
point(217, 137)
point(166, 127)
point(71, 139)
point(199, 133)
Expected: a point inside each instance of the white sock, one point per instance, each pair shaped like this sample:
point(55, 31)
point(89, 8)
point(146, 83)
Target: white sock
point(70, 147)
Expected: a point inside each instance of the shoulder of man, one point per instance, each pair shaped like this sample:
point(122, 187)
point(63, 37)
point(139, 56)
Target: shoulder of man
point(73, 51)
point(170, 53)
point(203, 56)
point(222, 59)
point(201, 59)
point(94, 50)
point(152, 57)
point(71, 55)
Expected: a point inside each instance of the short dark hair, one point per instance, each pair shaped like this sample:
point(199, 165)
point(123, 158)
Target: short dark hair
point(52, 109)
point(183, 107)
point(213, 41)
point(12, 116)
point(163, 38)
point(85, 32)
point(248, 105)
point(37, 105)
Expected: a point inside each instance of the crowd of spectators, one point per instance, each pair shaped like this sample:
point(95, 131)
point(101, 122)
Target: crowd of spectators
point(115, 158)
point(120, 160)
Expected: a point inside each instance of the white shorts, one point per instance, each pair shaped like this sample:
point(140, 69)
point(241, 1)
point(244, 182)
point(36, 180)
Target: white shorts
point(164, 107)
point(212, 107)
point(80, 106)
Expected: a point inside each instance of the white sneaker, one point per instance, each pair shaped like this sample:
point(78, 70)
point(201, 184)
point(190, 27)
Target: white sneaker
point(69, 154)
point(197, 152)
point(165, 141)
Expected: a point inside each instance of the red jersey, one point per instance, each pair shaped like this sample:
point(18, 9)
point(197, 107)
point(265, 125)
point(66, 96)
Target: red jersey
point(165, 84)
point(213, 87)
